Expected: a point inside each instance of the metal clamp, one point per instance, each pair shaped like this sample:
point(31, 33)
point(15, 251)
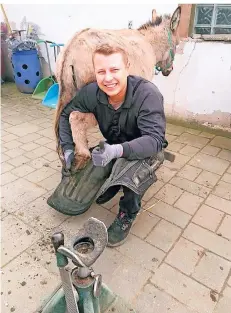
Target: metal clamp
point(90, 241)
point(71, 255)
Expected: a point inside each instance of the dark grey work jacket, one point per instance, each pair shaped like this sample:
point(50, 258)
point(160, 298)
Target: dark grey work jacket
point(139, 124)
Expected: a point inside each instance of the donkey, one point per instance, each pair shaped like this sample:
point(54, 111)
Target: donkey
point(152, 44)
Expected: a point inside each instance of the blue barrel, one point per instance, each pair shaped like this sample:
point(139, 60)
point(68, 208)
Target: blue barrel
point(27, 70)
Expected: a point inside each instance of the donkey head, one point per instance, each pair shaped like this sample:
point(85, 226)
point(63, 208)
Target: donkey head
point(172, 40)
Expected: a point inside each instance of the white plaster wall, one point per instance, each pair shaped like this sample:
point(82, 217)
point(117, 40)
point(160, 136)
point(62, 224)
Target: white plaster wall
point(200, 83)
point(59, 22)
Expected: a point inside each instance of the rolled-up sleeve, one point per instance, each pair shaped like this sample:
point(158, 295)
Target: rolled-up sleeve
point(152, 124)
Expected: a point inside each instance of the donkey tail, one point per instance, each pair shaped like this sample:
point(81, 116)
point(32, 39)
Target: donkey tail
point(67, 83)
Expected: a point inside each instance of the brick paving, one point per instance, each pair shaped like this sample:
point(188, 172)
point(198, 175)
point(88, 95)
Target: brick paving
point(178, 256)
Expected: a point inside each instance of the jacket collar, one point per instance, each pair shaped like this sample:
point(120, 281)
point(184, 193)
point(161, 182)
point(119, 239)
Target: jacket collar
point(102, 97)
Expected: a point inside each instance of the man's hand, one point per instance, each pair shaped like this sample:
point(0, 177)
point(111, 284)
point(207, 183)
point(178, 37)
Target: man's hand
point(101, 156)
point(69, 158)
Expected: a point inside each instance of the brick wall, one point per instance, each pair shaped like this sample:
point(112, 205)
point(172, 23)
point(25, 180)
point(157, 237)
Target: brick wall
point(185, 20)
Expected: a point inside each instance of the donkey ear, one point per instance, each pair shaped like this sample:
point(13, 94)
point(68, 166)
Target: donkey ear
point(175, 19)
point(154, 16)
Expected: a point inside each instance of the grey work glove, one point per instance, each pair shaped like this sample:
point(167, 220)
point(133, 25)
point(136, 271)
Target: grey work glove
point(102, 155)
point(69, 158)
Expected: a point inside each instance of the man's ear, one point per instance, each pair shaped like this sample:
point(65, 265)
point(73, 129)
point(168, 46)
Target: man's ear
point(128, 65)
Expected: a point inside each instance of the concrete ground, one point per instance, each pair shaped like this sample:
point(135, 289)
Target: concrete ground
point(178, 257)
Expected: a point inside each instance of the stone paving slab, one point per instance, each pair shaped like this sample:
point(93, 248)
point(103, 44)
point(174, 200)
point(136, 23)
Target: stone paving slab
point(210, 150)
point(224, 303)
point(24, 283)
point(223, 190)
point(16, 237)
point(18, 193)
point(188, 202)
point(184, 256)
point(164, 235)
point(178, 256)
point(208, 240)
point(219, 203)
point(193, 140)
point(185, 289)
point(212, 271)
point(211, 223)
point(221, 142)
point(149, 256)
point(155, 300)
point(189, 150)
point(169, 213)
point(209, 163)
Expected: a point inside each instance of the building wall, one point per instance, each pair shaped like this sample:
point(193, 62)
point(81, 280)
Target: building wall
point(199, 87)
point(185, 20)
point(59, 22)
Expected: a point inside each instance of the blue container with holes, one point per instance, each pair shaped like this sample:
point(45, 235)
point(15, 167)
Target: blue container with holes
point(27, 70)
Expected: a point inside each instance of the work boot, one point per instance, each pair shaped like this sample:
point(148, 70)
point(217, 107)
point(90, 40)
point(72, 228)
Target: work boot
point(119, 230)
point(108, 195)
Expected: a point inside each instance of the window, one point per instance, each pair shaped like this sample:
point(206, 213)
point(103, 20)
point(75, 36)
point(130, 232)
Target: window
point(212, 19)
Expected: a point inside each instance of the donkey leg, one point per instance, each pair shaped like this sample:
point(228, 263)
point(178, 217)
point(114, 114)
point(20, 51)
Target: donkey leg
point(80, 122)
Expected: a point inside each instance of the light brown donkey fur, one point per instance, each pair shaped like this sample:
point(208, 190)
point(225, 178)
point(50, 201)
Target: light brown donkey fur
point(152, 44)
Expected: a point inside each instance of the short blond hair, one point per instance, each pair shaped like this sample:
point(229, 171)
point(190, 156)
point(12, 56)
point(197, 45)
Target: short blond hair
point(107, 49)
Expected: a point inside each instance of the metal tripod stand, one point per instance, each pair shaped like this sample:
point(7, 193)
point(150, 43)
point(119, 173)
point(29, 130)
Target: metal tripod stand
point(82, 291)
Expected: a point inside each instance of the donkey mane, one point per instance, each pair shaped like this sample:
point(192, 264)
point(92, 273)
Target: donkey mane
point(148, 24)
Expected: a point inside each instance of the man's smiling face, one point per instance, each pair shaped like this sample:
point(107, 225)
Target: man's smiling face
point(111, 73)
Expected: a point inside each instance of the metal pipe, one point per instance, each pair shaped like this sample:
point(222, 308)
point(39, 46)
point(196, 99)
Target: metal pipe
point(7, 22)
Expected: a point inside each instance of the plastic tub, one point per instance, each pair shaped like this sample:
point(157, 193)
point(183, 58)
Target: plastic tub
point(27, 70)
